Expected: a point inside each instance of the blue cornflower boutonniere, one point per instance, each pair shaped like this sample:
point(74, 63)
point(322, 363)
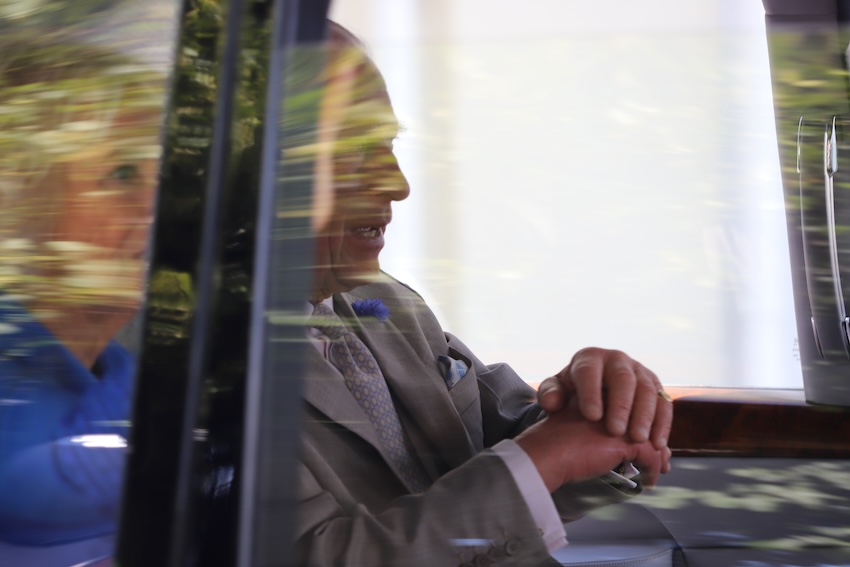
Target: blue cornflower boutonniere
point(371, 308)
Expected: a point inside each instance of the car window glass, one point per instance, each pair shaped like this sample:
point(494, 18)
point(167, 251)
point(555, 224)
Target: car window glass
point(591, 176)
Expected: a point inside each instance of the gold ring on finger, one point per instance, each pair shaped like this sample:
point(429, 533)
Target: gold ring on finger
point(664, 396)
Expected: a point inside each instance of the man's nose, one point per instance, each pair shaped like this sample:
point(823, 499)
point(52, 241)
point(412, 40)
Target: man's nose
point(388, 179)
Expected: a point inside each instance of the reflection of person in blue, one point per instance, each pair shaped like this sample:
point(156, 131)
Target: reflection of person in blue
point(77, 163)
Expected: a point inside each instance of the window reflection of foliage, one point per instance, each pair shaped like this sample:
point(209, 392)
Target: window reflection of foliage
point(766, 489)
point(772, 505)
point(810, 82)
point(171, 311)
point(299, 119)
point(809, 79)
point(189, 137)
point(765, 506)
point(36, 16)
point(190, 130)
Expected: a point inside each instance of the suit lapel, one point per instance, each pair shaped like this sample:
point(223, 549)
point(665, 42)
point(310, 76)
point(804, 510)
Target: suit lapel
point(415, 381)
point(325, 390)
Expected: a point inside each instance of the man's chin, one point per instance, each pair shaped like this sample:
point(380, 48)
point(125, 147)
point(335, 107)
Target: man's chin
point(344, 280)
point(361, 277)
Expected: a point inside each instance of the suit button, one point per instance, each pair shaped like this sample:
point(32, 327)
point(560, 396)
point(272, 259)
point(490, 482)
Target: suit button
point(496, 553)
point(482, 561)
point(512, 547)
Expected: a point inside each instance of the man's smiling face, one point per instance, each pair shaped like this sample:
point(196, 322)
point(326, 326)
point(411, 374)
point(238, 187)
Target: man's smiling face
point(366, 179)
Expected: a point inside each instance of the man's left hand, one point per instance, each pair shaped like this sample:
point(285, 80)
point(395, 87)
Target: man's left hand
point(611, 385)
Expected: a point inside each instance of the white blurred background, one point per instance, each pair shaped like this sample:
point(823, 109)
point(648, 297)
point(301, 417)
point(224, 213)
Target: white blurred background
point(591, 173)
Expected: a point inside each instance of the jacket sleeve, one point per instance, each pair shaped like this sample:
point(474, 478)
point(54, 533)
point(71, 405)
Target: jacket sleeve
point(473, 510)
point(508, 406)
point(508, 403)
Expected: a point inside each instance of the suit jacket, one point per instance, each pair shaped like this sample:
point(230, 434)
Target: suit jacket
point(355, 509)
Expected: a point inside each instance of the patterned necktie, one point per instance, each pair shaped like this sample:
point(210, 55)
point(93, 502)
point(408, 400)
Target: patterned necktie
point(366, 381)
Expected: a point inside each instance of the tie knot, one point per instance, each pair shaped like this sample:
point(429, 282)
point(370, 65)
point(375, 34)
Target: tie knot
point(327, 321)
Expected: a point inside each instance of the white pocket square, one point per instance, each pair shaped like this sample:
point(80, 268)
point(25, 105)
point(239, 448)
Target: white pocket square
point(453, 369)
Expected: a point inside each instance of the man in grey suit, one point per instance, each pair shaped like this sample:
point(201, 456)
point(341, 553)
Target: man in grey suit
point(498, 467)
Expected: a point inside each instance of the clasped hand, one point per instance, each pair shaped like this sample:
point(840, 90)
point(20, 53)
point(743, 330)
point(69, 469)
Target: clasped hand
point(604, 408)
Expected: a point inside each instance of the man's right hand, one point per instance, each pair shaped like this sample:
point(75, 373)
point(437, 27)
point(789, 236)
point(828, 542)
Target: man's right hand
point(612, 387)
point(566, 447)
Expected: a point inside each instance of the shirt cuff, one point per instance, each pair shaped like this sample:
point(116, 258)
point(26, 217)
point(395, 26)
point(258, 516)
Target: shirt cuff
point(534, 492)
